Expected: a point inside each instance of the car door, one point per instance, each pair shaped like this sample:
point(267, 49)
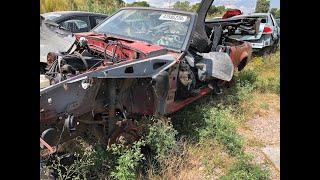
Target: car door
point(76, 24)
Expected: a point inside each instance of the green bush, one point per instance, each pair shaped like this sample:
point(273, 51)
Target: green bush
point(244, 169)
point(78, 169)
point(128, 160)
point(161, 138)
point(220, 126)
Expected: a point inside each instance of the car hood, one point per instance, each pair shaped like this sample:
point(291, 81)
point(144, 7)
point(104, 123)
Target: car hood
point(53, 39)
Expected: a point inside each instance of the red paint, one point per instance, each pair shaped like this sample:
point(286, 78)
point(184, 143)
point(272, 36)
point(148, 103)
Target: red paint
point(231, 13)
point(95, 41)
point(177, 105)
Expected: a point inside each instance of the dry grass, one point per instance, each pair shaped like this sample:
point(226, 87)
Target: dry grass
point(202, 160)
point(260, 105)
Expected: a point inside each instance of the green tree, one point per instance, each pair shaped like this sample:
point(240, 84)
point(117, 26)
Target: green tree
point(139, 4)
point(195, 7)
point(184, 6)
point(262, 6)
point(213, 10)
point(275, 12)
point(216, 10)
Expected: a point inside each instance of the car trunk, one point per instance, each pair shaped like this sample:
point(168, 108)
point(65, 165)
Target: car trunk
point(245, 37)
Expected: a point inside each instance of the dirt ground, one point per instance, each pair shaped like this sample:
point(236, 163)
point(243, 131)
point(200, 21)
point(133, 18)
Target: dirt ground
point(262, 136)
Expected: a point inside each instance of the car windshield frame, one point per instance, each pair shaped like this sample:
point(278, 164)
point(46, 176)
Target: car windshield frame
point(189, 32)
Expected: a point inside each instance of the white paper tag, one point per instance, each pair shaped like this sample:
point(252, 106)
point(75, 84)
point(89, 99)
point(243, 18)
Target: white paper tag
point(172, 17)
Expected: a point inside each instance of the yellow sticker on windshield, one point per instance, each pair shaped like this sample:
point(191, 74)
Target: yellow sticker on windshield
point(172, 17)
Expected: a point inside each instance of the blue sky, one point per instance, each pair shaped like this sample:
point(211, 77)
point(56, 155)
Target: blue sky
point(246, 6)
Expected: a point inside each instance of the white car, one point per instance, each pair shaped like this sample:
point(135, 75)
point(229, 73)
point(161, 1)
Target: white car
point(267, 38)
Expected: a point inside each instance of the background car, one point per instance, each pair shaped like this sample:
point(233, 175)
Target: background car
point(268, 37)
point(75, 21)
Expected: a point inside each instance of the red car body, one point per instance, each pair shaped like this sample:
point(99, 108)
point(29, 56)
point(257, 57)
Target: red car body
point(133, 79)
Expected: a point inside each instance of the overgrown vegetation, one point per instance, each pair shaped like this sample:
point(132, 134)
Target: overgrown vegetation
point(161, 139)
point(128, 160)
point(244, 169)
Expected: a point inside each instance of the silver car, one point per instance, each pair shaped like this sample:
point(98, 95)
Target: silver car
point(268, 37)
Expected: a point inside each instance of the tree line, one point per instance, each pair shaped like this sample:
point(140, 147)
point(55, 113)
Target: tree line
point(186, 6)
point(110, 6)
point(98, 6)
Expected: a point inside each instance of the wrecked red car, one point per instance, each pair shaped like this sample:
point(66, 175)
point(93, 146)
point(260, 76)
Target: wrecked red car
point(138, 62)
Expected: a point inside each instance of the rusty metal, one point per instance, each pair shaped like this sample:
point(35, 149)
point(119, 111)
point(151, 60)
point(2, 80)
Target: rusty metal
point(49, 150)
point(126, 132)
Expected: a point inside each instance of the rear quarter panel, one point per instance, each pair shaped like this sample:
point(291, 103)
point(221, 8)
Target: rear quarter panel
point(240, 52)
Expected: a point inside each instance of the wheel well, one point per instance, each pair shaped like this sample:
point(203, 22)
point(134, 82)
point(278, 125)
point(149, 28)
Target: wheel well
point(243, 63)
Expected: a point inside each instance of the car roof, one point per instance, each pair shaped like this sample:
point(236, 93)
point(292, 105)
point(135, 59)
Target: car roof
point(64, 14)
point(74, 13)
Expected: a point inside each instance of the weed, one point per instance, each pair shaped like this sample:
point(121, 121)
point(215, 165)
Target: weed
point(78, 167)
point(128, 160)
point(221, 127)
point(264, 106)
point(244, 169)
point(161, 138)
